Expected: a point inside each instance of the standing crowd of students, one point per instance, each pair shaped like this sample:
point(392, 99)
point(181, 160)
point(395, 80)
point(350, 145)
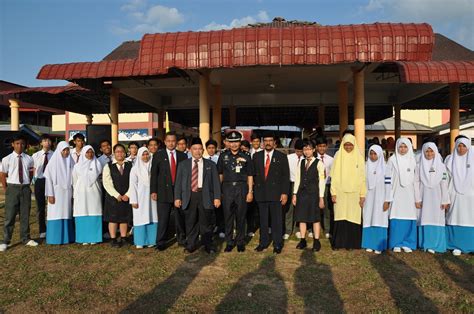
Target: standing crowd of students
point(165, 190)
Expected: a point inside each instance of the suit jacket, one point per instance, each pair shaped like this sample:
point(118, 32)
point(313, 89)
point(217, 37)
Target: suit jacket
point(160, 181)
point(211, 186)
point(278, 179)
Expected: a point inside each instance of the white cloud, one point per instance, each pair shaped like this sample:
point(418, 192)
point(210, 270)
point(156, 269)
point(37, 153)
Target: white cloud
point(261, 16)
point(133, 5)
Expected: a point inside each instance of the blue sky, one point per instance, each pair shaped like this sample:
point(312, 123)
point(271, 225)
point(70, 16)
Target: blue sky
point(34, 32)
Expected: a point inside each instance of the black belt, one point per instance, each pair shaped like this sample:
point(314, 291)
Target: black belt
point(234, 183)
point(198, 190)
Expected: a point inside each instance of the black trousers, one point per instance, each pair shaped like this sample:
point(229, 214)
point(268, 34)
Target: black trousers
point(273, 212)
point(168, 216)
point(289, 213)
point(234, 206)
point(327, 213)
point(17, 201)
point(41, 204)
point(253, 220)
point(198, 221)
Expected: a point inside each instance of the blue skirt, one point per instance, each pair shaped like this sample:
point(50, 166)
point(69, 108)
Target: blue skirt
point(88, 229)
point(60, 231)
point(460, 238)
point(375, 238)
point(402, 233)
point(145, 235)
point(432, 237)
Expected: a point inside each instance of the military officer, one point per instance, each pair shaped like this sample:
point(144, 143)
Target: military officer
point(236, 174)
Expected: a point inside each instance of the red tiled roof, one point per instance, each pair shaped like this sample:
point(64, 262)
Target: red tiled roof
point(377, 42)
point(49, 89)
point(437, 72)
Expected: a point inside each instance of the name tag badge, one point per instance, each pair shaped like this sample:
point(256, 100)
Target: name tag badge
point(237, 169)
point(432, 169)
point(408, 169)
point(375, 172)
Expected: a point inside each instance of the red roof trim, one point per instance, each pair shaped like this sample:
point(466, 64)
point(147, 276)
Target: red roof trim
point(437, 72)
point(49, 90)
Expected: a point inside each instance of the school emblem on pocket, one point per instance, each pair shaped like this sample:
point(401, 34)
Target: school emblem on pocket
point(408, 169)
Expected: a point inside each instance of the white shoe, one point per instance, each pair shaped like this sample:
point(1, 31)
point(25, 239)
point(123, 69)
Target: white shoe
point(3, 247)
point(431, 251)
point(397, 249)
point(43, 235)
point(457, 252)
point(152, 245)
point(286, 236)
point(377, 252)
point(131, 231)
point(251, 234)
point(93, 243)
point(310, 235)
point(407, 249)
point(31, 243)
point(85, 243)
point(298, 235)
point(369, 250)
point(328, 236)
point(139, 247)
point(222, 235)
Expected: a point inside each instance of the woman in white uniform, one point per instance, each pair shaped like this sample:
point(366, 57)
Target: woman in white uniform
point(431, 195)
point(400, 198)
point(87, 197)
point(145, 216)
point(58, 175)
point(460, 218)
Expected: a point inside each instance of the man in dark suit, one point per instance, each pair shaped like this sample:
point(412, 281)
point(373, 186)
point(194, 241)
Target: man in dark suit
point(272, 183)
point(197, 192)
point(163, 176)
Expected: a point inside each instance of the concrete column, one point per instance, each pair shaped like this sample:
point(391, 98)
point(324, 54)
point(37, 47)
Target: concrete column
point(343, 99)
point(114, 115)
point(217, 115)
point(232, 117)
point(398, 121)
point(454, 112)
point(359, 109)
point(89, 119)
point(15, 114)
point(204, 110)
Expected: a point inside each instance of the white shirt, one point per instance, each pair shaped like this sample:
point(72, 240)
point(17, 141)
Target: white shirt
point(104, 159)
point(321, 185)
point(108, 182)
point(38, 161)
point(327, 161)
point(266, 155)
point(294, 162)
point(200, 171)
point(253, 151)
point(169, 156)
point(75, 155)
point(10, 168)
point(214, 158)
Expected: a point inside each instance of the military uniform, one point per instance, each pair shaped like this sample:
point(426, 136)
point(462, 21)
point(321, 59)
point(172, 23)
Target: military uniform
point(235, 170)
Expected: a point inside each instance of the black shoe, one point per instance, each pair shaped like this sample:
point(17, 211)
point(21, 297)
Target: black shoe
point(190, 250)
point(260, 248)
point(210, 250)
point(228, 248)
point(316, 245)
point(115, 243)
point(302, 245)
point(277, 249)
point(160, 248)
point(241, 248)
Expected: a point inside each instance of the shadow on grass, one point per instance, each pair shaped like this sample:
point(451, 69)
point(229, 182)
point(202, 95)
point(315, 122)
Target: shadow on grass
point(314, 283)
point(262, 290)
point(464, 278)
point(164, 295)
point(400, 279)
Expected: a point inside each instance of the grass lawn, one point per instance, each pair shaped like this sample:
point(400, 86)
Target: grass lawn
point(97, 278)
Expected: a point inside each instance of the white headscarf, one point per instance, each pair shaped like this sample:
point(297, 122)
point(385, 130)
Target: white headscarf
point(405, 163)
point(59, 169)
point(90, 169)
point(375, 169)
point(143, 168)
point(461, 167)
point(431, 171)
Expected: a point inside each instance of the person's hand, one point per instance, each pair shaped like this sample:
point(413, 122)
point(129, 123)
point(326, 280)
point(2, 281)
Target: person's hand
point(178, 203)
point(293, 200)
point(51, 200)
point(119, 198)
point(333, 198)
point(154, 196)
point(135, 206)
point(386, 206)
point(283, 199)
point(249, 198)
point(321, 202)
point(125, 198)
point(361, 202)
point(418, 205)
point(217, 203)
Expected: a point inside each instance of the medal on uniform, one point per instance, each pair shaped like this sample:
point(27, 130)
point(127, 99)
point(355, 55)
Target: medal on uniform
point(237, 169)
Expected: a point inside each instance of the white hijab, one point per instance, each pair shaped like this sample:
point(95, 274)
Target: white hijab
point(143, 168)
point(90, 169)
point(405, 163)
point(461, 167)
point(375, 169)
point(431, 171)
point(59, 169)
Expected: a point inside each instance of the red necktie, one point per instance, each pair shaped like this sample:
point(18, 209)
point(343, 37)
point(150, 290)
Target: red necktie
point(45, 163)
point(195, 176)
point(267, 165)
point(173, 168)
point(20, 169)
